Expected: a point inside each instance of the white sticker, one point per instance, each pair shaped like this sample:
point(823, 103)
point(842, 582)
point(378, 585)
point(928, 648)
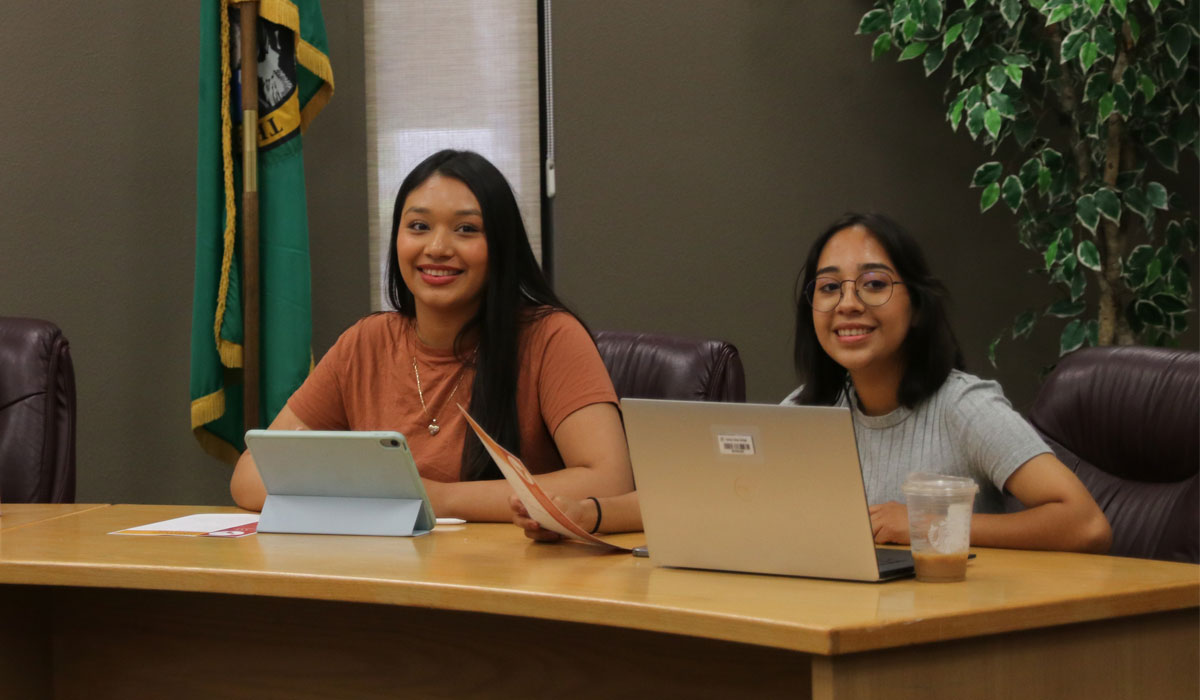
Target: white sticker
point(736, 444)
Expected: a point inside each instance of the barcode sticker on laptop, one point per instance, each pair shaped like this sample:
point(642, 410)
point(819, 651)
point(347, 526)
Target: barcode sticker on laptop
point(735, 444)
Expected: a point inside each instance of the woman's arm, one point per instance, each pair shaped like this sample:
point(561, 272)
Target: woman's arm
point(246, 485)
point(616, 513)
point(1059, 514)
point(591, 442)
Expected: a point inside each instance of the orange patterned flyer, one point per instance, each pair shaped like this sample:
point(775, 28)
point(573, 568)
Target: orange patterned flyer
point(536, 501)
point(201, 525)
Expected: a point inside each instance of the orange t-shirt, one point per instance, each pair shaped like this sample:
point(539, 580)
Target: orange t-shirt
point(366, 382)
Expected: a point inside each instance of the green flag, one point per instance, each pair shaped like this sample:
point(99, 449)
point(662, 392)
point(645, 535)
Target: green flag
point(295, 81)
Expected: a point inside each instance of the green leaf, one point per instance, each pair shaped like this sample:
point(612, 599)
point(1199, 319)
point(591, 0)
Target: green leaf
point(952, 35)
point(1014, 73)
point(996, 78)
point(883, 44)
point(1108, 204)
point(1043, 179)
point(873, 21)
point(1135, 28)
point(933, 13)
point(1051, 254)
point(1104, 107)
point(913, 50)
point(971, 30)
point(1065, 308)
point(1148, 313)
point(1166, 153)
point(1088, 54)
point(1093, 332)
point(1088, 255)
point(1156, 195)
point(1029, 173)
point(1153, 5)
point(991, 194)
point(1135, 200)
point(1072, 337)
point(991, 120)
point(1071, 46)
point(933, 59)
point(1147, 86)
point(956, 109)
point(1012, 192)
point(1106, 43)
point(1052, 158)
point(1096, 86)
point(909, 28)
point(1010, 10)
point(975, 119)
point(1122, 102)
point(1023, 325)
point(1170, 303)
point(1186, 126)
point(1119, 6)
point(1078, 283)
point(1094, 6)
point(1086, 212)
point(1153, 271)
point(1179, 40)
point(986, 174)
point(991, 351)
point(1003, 104)
point(1024, 130)
point(1059, 14)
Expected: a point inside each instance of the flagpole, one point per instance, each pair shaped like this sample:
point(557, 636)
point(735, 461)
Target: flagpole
point(250, 257)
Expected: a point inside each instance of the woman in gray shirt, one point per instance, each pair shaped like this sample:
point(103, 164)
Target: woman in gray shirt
point(873, 333)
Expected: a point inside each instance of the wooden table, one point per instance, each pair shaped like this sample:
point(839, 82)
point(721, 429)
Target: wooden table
point(475, 610)
point(15, 515)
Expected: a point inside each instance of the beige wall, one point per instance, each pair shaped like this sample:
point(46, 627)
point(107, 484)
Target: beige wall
point(701, 147)
point(97, 231)
point(704, 144)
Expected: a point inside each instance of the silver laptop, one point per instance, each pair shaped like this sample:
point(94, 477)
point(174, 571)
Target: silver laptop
point(754, 488)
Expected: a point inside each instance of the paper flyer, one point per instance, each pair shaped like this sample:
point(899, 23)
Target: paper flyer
point(200, 525)
point(536, 501)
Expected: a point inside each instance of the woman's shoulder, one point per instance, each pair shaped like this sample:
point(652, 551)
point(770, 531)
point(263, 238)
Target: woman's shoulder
point(373, 328)
point(540, 323)
point(963, 389)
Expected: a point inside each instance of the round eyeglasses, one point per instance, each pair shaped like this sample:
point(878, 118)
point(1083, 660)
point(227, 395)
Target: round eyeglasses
point(873, 288)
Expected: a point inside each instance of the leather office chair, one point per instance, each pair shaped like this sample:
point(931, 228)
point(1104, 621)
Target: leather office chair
point(37, 413)
point(1125, 420)
point(654, 366)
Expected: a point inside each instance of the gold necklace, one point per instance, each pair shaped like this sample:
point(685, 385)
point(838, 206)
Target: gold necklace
point(434, 428)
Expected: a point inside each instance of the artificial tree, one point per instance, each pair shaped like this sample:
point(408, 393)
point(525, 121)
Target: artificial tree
point(1085, 105)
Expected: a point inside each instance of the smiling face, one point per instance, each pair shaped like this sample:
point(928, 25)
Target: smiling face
point(866, 340)
point(442, 250)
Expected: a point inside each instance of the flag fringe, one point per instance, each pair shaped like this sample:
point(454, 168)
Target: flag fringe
point(205, 410)
point(227, 355)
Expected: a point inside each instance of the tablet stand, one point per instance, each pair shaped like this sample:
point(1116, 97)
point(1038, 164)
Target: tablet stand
point(339, 515)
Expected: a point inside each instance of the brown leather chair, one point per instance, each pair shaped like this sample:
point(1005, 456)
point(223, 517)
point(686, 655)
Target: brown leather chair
point(1126, 421)
point(655, 366)
point(37, 413)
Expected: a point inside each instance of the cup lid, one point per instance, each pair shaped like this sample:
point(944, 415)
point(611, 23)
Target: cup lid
point(930, 484)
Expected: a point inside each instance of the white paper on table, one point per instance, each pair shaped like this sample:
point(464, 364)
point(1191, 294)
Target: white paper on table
point(535, 500)
point(200, 525)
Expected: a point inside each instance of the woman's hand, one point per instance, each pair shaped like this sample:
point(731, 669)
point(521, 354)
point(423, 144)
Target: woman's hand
point(889, 523)
point(583, 513)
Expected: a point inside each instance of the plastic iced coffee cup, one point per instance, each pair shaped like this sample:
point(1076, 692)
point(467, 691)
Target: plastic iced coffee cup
point(939, 524)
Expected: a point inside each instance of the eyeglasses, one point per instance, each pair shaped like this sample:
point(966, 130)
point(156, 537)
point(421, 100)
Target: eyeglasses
point(873, 288)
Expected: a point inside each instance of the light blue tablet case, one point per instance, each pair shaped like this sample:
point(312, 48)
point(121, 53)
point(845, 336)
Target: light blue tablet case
point(339, 483)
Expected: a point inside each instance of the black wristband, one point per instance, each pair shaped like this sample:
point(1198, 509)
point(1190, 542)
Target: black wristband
point(599, 514)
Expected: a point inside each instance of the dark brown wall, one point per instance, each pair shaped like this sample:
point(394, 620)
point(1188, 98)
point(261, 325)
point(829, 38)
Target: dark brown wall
point(703, 145)
point(97, 221)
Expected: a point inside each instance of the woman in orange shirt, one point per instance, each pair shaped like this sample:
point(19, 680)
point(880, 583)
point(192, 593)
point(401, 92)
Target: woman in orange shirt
point(473, 322)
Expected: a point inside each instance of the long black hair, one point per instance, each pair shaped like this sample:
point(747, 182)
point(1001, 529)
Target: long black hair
point(930, 349)
point(515, 292)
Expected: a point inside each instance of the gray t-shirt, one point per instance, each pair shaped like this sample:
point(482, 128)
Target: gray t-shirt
point(967, 428)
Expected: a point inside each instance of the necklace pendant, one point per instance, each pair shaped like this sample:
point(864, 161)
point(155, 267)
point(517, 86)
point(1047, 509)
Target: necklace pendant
point(434, 428)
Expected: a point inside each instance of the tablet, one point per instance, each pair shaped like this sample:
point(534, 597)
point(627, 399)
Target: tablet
point(339, 482)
